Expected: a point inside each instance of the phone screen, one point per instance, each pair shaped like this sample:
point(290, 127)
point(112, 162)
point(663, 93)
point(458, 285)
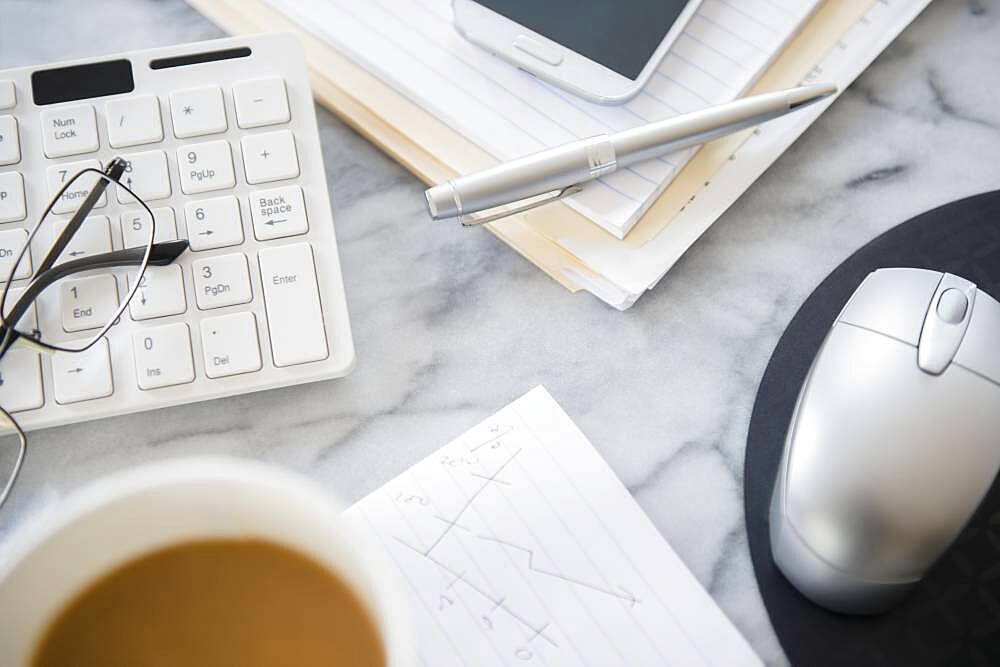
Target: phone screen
point(622, 36)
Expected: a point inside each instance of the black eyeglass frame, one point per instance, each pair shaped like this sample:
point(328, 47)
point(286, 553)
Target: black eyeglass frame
point(46, 273)
point(155, 254)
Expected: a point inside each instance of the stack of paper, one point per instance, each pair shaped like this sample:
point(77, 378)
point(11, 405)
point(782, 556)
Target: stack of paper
point(413, 46)
point(401, 75)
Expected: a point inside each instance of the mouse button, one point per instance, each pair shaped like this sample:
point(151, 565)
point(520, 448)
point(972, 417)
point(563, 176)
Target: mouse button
point(945, 324)
point(893, 302)
point(952, 305)
point(978, 349)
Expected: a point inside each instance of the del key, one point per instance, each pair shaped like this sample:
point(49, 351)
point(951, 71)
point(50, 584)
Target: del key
point(291, 298)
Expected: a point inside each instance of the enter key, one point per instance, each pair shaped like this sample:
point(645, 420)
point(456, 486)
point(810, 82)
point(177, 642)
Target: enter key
point(291, 299)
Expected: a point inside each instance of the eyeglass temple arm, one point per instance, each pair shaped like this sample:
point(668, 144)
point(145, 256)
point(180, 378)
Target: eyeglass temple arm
point(160, 254)
point(114, 171)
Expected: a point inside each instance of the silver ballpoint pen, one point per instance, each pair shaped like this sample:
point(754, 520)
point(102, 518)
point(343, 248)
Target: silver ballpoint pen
point(559, 172)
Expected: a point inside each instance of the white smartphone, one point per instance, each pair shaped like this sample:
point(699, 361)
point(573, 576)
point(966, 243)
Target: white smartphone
point(602, 50)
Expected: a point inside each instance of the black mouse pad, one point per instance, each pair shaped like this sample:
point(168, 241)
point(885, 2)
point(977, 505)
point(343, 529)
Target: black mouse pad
point(953, 616)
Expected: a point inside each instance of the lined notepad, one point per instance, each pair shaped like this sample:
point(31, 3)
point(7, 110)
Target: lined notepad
point(413, 46)
point(518, 545)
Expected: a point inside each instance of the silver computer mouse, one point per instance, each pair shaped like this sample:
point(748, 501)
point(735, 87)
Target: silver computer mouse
point(894, 441)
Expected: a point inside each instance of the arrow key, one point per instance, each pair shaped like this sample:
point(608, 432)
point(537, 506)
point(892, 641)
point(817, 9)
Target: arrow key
point(146, 176)
point(278, 212)
point(82, 376)
point(93, 237)
point(160, 293)
point(213, 223)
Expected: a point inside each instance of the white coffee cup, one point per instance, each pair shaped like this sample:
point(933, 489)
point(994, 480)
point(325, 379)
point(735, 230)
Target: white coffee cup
point(132, 513)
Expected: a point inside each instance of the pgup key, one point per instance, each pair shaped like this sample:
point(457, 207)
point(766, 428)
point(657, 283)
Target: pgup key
point(205, 167)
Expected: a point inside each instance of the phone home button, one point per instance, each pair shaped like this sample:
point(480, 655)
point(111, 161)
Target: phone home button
point(538, 50)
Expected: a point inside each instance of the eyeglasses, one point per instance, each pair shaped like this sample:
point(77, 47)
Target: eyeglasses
point(71, 255)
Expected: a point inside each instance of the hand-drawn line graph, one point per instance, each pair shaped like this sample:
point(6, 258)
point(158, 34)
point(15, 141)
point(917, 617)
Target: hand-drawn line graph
point(489, 480)
point(457, 577)
point(498, 603)
point(621, 593)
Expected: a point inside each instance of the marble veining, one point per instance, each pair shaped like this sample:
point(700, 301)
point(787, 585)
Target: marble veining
point(450, 324)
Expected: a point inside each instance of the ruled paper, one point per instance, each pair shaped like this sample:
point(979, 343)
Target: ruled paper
point(413, 46)
point(519, 546)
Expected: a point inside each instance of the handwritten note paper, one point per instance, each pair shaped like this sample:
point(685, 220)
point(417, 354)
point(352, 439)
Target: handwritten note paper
point(519, 546)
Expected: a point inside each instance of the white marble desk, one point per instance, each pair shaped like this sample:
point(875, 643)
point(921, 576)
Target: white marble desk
point(451, 324)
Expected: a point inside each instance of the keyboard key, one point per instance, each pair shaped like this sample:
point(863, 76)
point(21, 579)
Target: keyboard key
point(205, 167)
point(291, 298)
point(21, 368)
point(69, 130)
point(221, 281)
point(11, 242)
point(133, 121)
point(270, 156)
point(278, 212)
point(135, 226)
point(70, 200)
point(82, 376)
point(8, 98)
point(21, 380)
point(93, 237)
point(10, 143)
point(87, 303)
point(146, 176)
point(198, 111)
point(12, 206)
point(160, 294)
point(230, 344)
point(28, 321)
point(163, 356)
point(261, 102)
point(213, 223)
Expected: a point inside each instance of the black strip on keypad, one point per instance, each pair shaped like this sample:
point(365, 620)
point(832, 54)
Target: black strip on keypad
point(79, 82)
point(196, 58)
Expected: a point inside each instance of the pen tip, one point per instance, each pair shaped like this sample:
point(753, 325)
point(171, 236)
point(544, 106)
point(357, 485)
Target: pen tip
point(809, 93)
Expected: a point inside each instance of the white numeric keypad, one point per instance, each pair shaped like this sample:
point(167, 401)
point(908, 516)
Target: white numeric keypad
point(220, 149)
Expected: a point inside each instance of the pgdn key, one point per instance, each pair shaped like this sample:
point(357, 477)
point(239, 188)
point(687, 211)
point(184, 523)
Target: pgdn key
point(291, 298)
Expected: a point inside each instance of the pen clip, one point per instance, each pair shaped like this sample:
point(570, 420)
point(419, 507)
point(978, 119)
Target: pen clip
point(550, 197)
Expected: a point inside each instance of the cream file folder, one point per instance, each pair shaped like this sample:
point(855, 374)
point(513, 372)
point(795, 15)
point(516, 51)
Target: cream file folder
point(836, 43)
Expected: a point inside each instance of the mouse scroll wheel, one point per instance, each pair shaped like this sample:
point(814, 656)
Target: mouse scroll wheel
point(947, 317)
point(952, 305)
